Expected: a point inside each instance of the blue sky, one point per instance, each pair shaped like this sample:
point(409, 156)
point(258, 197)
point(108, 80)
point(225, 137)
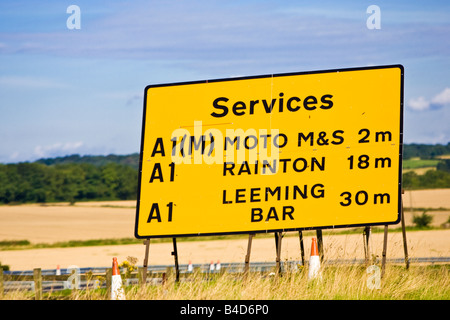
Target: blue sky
point(66, 91)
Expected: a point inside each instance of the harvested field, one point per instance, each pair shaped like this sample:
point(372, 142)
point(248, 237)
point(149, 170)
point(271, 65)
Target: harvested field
point(55, 223)
point(105, 220)
point(434, 198)
point(420, 244)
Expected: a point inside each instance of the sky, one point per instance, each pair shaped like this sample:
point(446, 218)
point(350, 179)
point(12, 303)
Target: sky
point(72, 82)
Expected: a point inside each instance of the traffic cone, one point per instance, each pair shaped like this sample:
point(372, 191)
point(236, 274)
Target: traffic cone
point(58, 270)
point(190, 267)
point(211, 267)
point(117, 292)
point(218, 266)
point(314, 262)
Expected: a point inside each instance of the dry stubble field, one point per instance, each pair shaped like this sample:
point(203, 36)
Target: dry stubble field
point(106, 220)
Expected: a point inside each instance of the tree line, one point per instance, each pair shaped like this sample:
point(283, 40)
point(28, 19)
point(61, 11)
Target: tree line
point(425, 151)
point(131, 160)
point(439, 178)
point(69, 182)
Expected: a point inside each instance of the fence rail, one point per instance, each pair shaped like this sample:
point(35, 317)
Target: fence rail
point(48, 280)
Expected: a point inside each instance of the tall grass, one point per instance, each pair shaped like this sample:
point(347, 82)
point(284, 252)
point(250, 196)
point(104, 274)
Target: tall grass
point(349, 282)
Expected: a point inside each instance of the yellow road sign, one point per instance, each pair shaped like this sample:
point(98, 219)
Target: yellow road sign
point(268, 153)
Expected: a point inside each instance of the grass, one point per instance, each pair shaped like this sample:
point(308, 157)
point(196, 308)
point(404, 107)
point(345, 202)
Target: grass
point(341, 282)
point(419, 163)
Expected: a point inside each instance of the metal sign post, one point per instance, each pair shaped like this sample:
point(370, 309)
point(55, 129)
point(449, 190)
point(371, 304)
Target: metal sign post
point(278, 238)
point(366, 236)
point(175, 256)
point(145, 265)
point(405, 243)
point(302, 249)
point(247, 256)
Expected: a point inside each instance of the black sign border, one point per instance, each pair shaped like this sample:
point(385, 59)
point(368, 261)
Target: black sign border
point(400, 206)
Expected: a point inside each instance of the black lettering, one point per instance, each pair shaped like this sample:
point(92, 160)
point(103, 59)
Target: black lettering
point(239, 106)
point(309, 136)
point(314, 162)
point(174, 145)
point(321, 141)
point(320, 193)
point(292, 104)
point(182, 145)
point(303, 194)
point(256, 215)
point(336, 136)
point(201, 141)
point(328, 103)
point(276, 138)
point(288, 211)
point(240, 194)
point(383, 136)
point(269, 108)
point(272, 214)
point(288, 104)
point(236, 140)
point(309, 100)
point(156, 173)
point(272, 168)
point(252, 106)
point(381, 197)
point(255, 142)
point(221, 107)
point(284, 161)
point(154, 213)
point(244, 168)
point(211, 146)
point(254, 192)
point(224, 198)
point(264, 137)
point(301, 169)
point(365, 138)
point(272, 193)
point(228, 166)
point(280, 102)
point(158, 143)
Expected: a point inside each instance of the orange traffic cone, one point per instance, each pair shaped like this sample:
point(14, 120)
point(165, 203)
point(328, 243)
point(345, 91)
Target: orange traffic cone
point(117, 292)
point(58, 270)
point(218, 266)
point(314, 262)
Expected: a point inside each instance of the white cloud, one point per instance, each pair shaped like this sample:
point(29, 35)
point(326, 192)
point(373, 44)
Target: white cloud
point(442, 98)
point(57, 149)
point(437, 102)
point(419, 104)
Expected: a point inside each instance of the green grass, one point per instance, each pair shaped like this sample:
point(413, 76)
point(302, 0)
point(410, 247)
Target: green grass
point(419, 163)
